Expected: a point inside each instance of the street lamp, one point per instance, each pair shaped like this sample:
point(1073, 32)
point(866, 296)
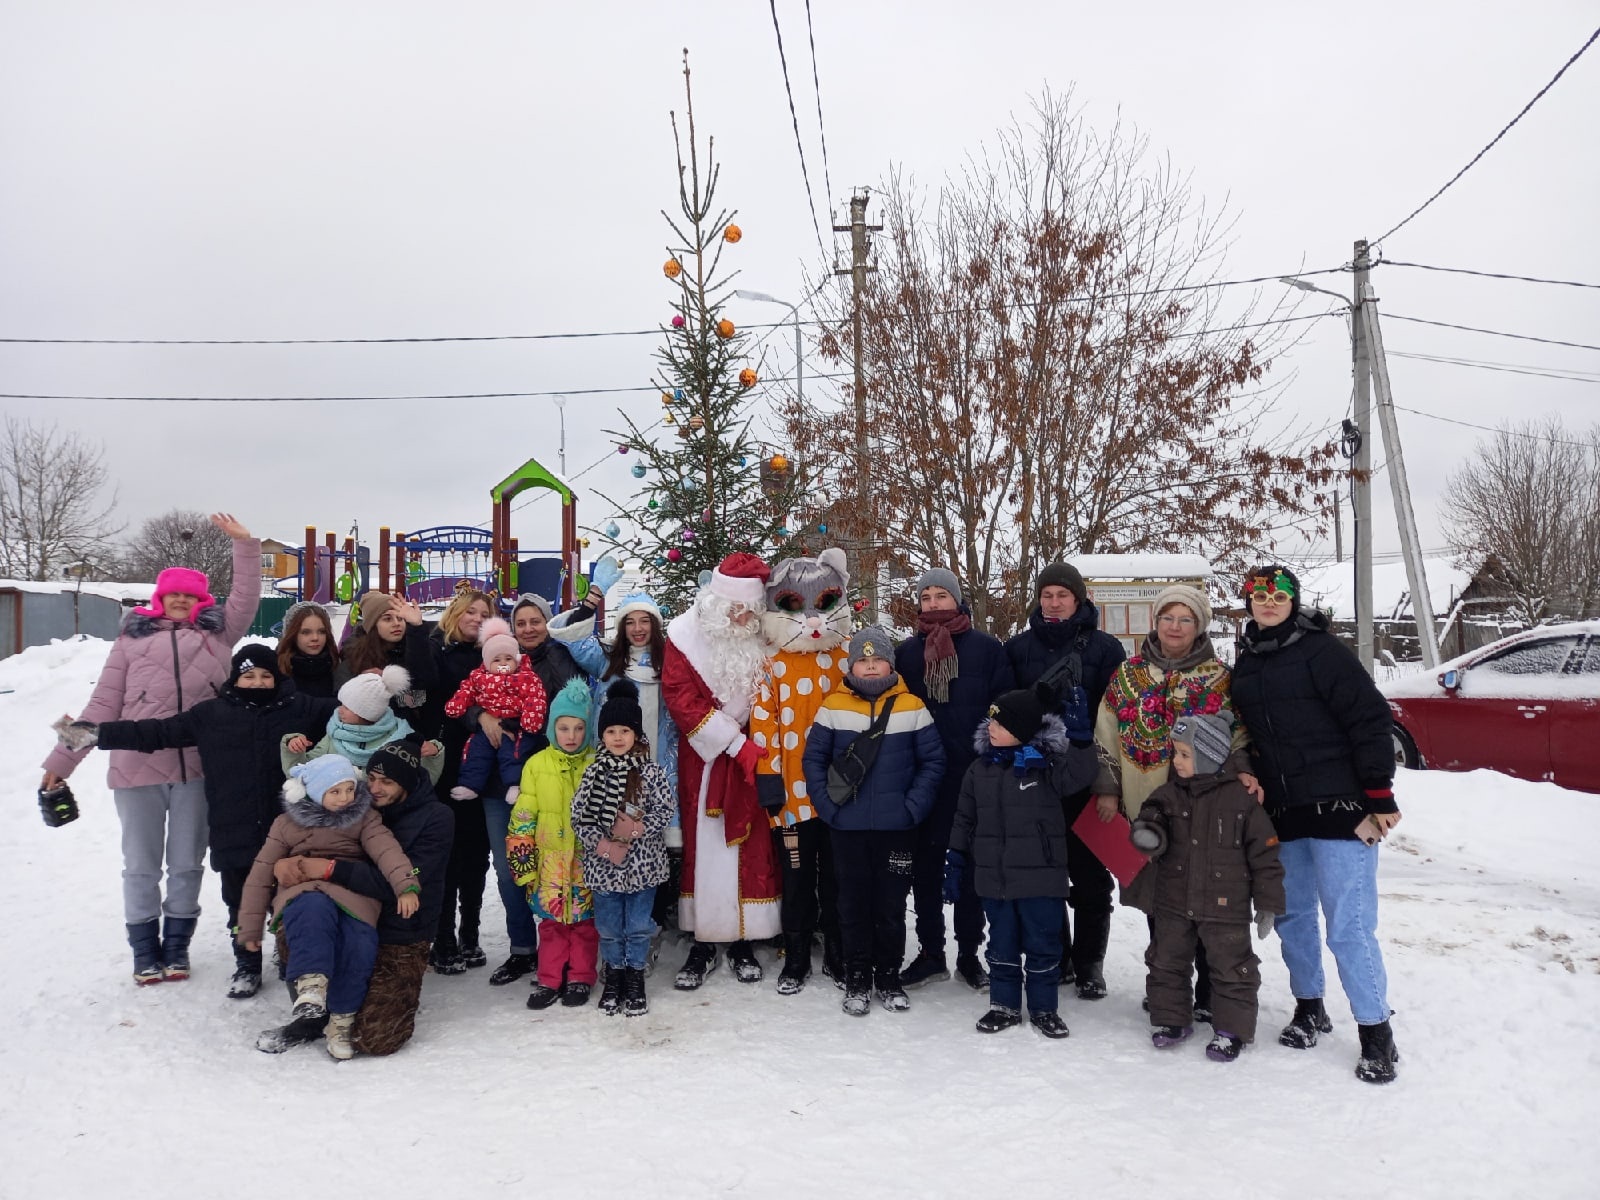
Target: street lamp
point(794, 311)
point(561, 409)
point(1302, 285)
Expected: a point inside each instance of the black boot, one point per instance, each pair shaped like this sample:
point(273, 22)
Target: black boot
point(742, 962)
point(857, 993)
point(1378, 1054)
point(833, 958)
point(246, 981)
point(145, 938)
point(611, 993)
point(634, 1002)
point(796, 963)
point(999, 1019)
point(969, 969)
point(1309, 1019)
point(175, 935)
point(445, 958)
point(1088, 953)
point(701, 962)
point(516, 967)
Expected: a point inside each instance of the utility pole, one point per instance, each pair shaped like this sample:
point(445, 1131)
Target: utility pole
point(858, 230)
point(1362, 516)
point(1338, 530)
point(1410, 540)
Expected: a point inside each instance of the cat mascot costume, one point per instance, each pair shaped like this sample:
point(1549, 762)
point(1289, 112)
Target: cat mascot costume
point(807, 624)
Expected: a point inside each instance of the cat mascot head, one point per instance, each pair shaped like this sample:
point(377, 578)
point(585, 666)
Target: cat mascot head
point(806, 608)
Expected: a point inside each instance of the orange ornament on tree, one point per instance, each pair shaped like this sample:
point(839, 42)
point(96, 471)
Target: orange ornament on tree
point(779, 463)
point(672, 268)
point(747, 378)
point(724, 328)
point(732, 234)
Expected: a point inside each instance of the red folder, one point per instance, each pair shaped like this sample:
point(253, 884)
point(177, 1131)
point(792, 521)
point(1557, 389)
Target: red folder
point(1108, 840)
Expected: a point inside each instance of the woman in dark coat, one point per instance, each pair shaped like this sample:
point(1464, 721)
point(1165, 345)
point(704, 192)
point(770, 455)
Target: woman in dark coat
point(1064, 641)
point(1320, 736)
point(454, 645)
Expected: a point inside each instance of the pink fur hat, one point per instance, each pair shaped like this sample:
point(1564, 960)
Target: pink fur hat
point(185, 580)
point(495, 638)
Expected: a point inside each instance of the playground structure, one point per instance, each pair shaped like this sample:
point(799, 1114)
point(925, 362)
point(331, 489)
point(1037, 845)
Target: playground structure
point(569, 559)
point(431, 565)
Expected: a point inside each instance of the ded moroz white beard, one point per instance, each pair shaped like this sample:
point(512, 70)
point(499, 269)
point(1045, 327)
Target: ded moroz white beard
point(738, 656)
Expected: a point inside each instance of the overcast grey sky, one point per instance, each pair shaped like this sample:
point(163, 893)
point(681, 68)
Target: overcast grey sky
point(343, 169)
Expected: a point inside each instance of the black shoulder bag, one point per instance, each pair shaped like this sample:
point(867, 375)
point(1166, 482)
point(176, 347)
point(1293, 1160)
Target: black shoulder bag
point(848, 772)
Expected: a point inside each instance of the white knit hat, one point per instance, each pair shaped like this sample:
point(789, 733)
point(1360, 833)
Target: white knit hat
point(637, 602)
point(1191, 598)
point(368, 695)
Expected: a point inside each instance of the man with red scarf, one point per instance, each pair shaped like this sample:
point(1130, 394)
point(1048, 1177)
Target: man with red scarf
point(957, 671)
point(714, 663)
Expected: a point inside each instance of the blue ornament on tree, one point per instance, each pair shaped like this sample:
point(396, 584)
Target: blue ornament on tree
point(783, 531)
point(822, 529)
point(638, 470)
point(660, 562)
point(613, 530)
point(677, 394)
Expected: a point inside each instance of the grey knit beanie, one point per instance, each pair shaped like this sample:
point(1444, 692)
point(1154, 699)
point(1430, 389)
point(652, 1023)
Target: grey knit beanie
point(1210, 736)
point(938, 577)
point(872, 642)
point(1191, 598)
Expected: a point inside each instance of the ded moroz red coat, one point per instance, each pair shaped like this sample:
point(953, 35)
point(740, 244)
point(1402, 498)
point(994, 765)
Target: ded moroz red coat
point(731, 885)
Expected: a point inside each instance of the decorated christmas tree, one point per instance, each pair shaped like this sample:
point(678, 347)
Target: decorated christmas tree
point(708, 487)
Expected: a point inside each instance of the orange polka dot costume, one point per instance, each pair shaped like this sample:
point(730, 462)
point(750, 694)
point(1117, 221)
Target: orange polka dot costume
point(785, 709)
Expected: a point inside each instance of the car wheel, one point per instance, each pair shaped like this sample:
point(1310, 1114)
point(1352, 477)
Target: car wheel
point(1405, 750)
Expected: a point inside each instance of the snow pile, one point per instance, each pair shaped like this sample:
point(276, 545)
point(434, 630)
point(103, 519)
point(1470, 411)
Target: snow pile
point(1491, 922)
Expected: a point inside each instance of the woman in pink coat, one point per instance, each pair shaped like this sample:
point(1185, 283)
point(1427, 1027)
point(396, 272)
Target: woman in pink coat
point(171, 654)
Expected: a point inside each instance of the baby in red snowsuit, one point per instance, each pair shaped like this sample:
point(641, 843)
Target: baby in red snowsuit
point(505, 687)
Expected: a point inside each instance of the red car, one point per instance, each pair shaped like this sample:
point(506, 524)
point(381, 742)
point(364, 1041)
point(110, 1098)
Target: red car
point(1527, 705)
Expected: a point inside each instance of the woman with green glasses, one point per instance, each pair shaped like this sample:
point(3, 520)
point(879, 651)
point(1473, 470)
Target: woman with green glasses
point(1320, 736)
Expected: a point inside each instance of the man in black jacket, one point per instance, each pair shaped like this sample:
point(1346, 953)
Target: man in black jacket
point(1064, 645)
point(957, 671)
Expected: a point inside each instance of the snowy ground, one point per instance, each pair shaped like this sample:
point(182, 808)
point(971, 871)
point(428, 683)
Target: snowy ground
point(1491, 924)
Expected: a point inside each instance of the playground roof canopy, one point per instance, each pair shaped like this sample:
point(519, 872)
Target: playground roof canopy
point(530, 474)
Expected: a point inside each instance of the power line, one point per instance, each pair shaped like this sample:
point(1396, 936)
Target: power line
point(1506, 368)
point(538, 337)
point(317, 399)
point(1392, 262)
point(1521, 337)
point(1535, 437)
point(794, 117)
point(1473, 161)
point(822, 132)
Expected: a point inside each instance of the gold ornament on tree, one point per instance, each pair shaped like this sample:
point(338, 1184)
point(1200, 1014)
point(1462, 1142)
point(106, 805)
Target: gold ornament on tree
point(732, 234)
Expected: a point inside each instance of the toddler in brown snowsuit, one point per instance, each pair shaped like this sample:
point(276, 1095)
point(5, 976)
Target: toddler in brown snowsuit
point(1214, 852)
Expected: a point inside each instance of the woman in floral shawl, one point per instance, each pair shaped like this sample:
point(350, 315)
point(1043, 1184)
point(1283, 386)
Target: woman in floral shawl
point(1175, 674)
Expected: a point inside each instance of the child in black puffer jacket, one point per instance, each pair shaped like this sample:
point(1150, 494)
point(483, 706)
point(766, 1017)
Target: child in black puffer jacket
point(1012, 824)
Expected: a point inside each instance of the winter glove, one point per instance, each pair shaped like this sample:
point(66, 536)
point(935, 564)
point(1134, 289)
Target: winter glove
point(747, 758)
point(1149, 837)
point(769, 791)
point(76, 735)
point(955, 865)
point(1264, 924)
point(606, 573)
